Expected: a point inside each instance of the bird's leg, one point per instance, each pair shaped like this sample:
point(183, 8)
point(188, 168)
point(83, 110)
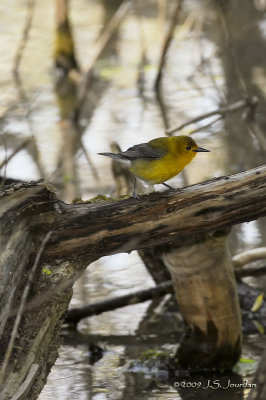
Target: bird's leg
point(134, 190)
point(134, 187)
point(168, 186)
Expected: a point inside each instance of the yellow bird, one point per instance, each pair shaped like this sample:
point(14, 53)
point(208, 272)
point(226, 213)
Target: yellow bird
point(159, 159)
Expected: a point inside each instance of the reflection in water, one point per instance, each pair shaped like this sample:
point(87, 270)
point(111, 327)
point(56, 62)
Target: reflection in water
point(198, 76)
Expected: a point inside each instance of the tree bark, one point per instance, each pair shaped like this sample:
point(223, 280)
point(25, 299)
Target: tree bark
point(81, 233)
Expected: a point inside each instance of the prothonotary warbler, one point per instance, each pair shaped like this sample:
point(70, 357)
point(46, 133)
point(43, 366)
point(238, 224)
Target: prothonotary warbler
point(159, 159)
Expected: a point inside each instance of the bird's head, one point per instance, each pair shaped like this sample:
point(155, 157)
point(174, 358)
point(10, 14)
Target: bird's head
point(187, 147)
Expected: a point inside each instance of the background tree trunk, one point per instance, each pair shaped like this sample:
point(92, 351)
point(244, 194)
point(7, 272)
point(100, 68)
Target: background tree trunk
point(206, 291)
point(64, 53)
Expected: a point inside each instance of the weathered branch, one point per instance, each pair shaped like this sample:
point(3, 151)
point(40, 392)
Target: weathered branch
point(206, 126)
point(94, 230)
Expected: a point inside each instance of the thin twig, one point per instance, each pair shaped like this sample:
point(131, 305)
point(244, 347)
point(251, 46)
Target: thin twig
point(143, 47)
point(23, 99)
point(18, 57)
point(184, 30)
point(99, 47)
point(22, 146)
point(93, 169)
point(22, 306)
point(255, 129)
point(239, 105)
point(25, 36)
point(203, 127)
point(167, 41)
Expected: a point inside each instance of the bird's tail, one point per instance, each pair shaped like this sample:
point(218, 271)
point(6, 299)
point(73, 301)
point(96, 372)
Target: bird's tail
point(114, 156)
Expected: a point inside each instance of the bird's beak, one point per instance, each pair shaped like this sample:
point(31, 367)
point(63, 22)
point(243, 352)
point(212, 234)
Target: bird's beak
point(201, 149)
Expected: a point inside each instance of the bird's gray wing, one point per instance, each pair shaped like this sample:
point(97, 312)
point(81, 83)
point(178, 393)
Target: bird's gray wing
point(144, 151)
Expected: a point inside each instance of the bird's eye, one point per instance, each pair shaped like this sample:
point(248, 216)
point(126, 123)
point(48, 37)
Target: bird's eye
point(188, 148)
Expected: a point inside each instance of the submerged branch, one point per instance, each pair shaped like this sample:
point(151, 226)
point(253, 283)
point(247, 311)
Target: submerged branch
point(74, 315)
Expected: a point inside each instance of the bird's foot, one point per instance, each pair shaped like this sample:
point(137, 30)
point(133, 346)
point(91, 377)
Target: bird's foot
point(136, 196)
point(169, 187)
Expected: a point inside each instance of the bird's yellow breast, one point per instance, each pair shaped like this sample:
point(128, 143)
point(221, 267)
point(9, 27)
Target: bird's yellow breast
point(162, 169)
